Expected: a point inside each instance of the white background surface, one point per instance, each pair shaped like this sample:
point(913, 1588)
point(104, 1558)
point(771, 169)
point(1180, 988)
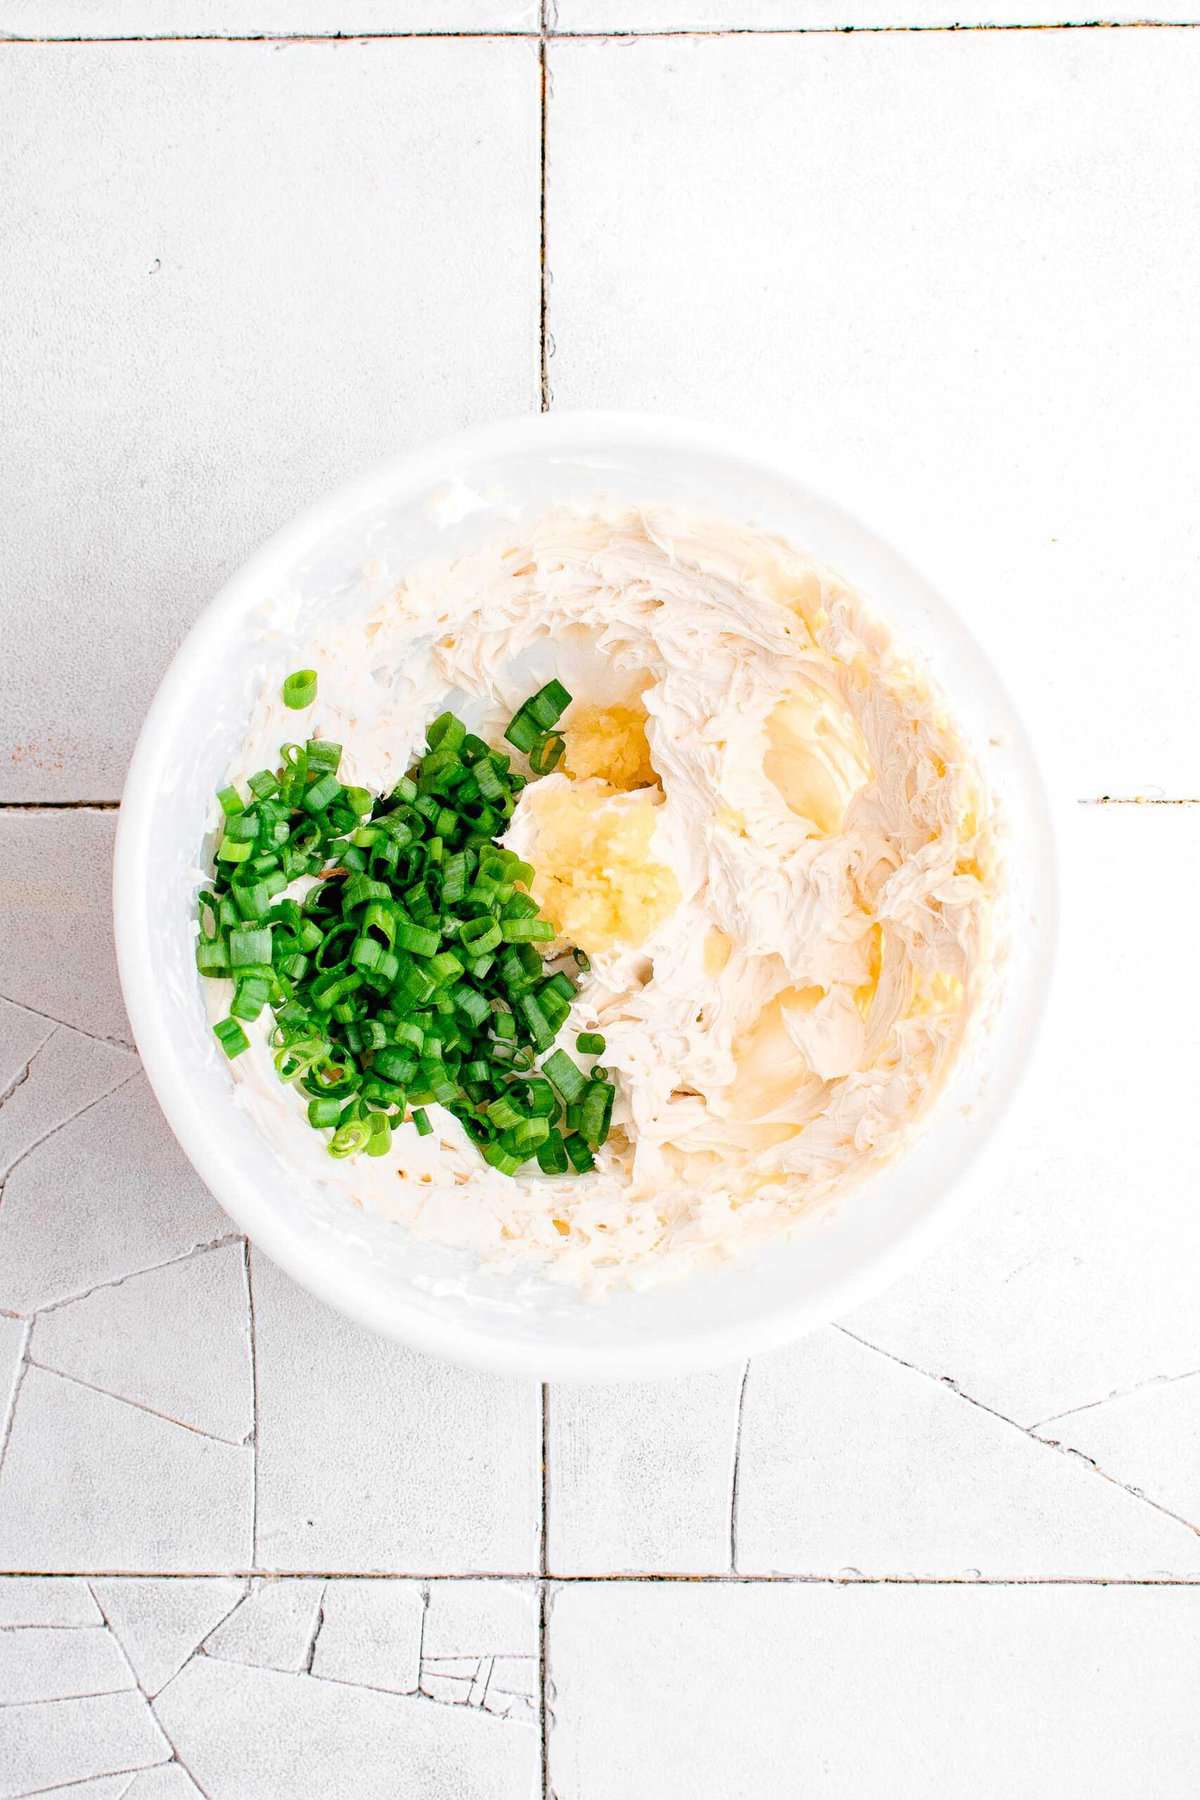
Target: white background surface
point(947, 1547)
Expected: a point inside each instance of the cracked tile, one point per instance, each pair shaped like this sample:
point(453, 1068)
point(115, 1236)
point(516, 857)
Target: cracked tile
point(67, 1074)
point(474, 1618)
point(200, 18)
point(21, 1036)
point(56, 941)
point(1148, 1439)
point(109, 1787)
point(758, 15)
point(92, 1482)
point(480, 1647)
point(678, 1689)
point(48, 1745)
point(169, 1782)
point(46, 1600)
point(408, 222)
point(105, 1197)
point(159, 1624)
point(13, 1333)
point(372, 1457)
point(372, 1634)
point(255, 1734)
point(272, 1628)
point(978, 166)
point(1074, 1276)
point(640, 1474)
point(850, 1462)
point(175, 1339)
point(47, 1663)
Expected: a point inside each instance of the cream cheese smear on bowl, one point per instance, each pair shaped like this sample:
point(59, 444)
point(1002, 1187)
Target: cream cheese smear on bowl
point(765, 838)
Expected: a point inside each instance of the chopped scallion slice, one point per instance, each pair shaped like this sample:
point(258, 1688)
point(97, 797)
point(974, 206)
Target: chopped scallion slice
point(300, 688)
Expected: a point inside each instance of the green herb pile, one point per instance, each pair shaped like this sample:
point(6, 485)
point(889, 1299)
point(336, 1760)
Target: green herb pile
point(411, 972)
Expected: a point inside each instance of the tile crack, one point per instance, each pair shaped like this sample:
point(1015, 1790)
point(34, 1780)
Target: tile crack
point(23, 1077)
point(96, 1037)
point(316, 1630)
point(98, 1287)
point(948, 1381)
point(10, 1415)
point(1139, 1387)
point(137, 1405)
point(62, 1126)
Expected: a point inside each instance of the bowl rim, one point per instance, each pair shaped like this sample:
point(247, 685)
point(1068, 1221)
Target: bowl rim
point(394, 1317)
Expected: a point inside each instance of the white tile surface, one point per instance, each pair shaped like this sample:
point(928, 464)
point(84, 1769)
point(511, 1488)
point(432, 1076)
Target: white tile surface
point(132, 1200)
point(13, 1336)
point(1070, 1281)
point(176, 1340)
point(371, 1633)
point(159, 1624)
point(170, 1781)
point(65, 1075)
point(273, 1628)
point(47, 1663)
point(94, 1483)
point(641, 1475)
point(48, 1745)
point(928, 263)
point(809, 15)
point(371, 1457)
point(29, 1600)
point(1149, 1439)
point(252, 18)
point(282, 262)
point(956, 274)
point(255, 1734)
point(850, 1462)
point(56, 946)
point(684, 1689)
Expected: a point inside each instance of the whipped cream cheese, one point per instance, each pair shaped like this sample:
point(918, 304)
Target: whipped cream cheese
point(767, 834)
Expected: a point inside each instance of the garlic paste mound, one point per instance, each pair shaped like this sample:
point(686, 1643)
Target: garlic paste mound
point(765, 833)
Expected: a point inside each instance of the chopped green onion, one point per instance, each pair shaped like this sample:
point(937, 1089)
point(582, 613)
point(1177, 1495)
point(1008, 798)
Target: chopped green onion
point(567, 1077)
point(590, 1043)
point(547, 753)
point(419, 972)
point(300, 688)
point(581, 1157)
point(548, 704)
point(350, 1138)
point(597, 1112)
point(526, 931)
point(552, 1154)
point(231, 1037)
point(323, 754)
point(248, 945)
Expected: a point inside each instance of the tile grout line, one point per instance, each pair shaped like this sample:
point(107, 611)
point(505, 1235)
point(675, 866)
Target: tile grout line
point(552, 34)
point(543, 273)
point(641, 1578)
point(114, 806)
point(137, 1682)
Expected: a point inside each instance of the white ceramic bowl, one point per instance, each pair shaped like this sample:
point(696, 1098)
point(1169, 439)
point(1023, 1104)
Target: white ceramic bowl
point(338, 559)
